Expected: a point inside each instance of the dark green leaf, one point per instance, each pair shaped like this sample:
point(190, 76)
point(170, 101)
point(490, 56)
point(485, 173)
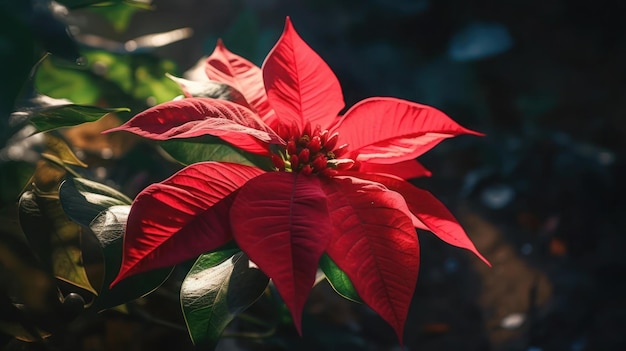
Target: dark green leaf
point(22, 273)
point(83, 199)
point(108, 227)
point(53, 34)
point(212, 295)
point(338, 279)
point(55, 238)
point(211, 148)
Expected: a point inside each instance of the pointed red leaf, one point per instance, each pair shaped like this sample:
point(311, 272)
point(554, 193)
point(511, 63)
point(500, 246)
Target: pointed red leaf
point(226, 67)
point(300, 86)
point(193, 117)
point(389, 130)
point(280, 220)
point(181, 217)
point(405, 169)
point(430, 211)
point(375, 244)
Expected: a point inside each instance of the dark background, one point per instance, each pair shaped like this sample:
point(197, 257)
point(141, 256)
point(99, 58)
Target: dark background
point(541, 194)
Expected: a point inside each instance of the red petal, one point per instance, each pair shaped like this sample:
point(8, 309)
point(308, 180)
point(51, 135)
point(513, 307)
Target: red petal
point(430, 211)
point(389, 130)
point(280, 220)
point(181, 217)
point(194, 117)
point(375, 244)
point(225, 67)
point(405, 169)
point(300, 86)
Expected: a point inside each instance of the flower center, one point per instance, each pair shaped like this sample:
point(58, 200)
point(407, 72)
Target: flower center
point(310, 151)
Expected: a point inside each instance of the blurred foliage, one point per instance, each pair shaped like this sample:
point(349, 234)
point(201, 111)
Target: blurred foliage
point(51, 265)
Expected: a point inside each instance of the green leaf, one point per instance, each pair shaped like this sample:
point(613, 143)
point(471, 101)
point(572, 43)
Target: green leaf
point(83, 200)
point(134, 79)
point(22, 273)
point(213, 294)
point(47, 113)
point(74, 4)
point(119, 13)
point(108, 227)
point(73, 82)
point(140, 75)
point(55, 239)
point(210, 148)
point(338, 279)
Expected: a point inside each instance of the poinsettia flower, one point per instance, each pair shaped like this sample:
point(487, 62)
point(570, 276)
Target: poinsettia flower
point(338, 184)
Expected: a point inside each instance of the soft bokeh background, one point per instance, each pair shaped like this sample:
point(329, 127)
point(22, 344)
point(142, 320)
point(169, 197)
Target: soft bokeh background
point(541, 194)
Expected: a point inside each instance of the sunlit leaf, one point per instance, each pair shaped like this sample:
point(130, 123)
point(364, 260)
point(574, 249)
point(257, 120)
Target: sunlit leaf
point(280, 220)
point(142, 76)
point(138, 79)
point(47, 113)
point(338, 279)
point(300, 86)
point(193, 117)
point(55, 238)
point(375, 244)
point(214, 292)
point(189, 207)
point(119, 13)
point(108, 227)
point(390, 130)
point(83, 199)
point(71, 82)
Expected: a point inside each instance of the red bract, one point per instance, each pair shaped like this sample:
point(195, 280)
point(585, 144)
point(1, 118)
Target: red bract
point(338, 185)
